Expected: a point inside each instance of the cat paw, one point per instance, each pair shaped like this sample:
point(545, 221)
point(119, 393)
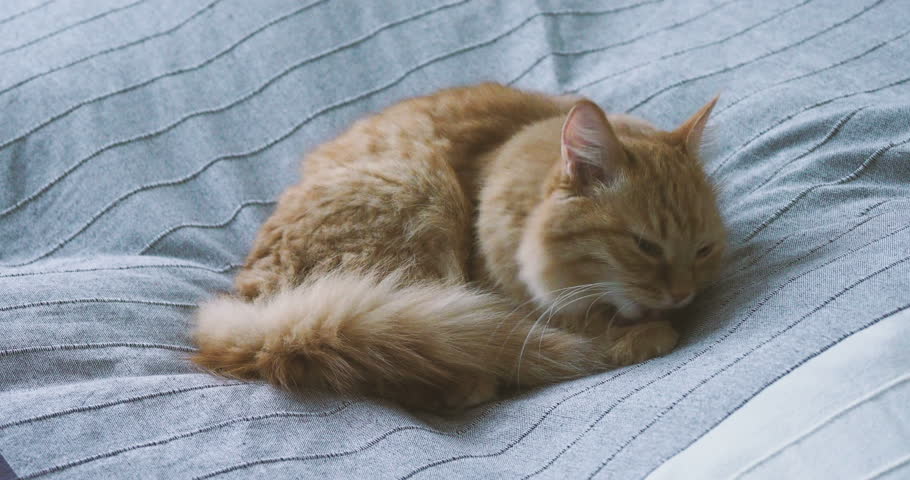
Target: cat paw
point(454, 398)
point(481, 391)
point(637, 343)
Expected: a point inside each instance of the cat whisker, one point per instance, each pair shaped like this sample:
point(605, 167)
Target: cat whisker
point(547, 324)
point(561, 302)
point(566, 292)
point(542, 306)
point(613, 318)
point(588, 311)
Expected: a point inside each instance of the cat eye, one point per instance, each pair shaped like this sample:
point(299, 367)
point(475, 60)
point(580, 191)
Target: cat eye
point(704, 251)
point(649, 248)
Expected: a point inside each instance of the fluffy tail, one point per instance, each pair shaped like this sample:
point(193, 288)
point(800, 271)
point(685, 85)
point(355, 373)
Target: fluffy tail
point(354, 333)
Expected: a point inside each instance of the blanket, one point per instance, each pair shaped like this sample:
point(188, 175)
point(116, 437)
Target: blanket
point(143, 142)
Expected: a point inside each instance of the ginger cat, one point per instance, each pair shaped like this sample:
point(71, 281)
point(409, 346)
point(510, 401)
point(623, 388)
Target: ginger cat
point(475, 238)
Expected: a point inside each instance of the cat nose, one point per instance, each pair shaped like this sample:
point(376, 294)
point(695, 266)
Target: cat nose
point(681, 297)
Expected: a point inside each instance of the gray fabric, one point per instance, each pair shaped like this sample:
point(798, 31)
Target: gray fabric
point(143, 142)
point(812, 435)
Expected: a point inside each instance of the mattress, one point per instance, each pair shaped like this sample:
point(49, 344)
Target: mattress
point(142, 143)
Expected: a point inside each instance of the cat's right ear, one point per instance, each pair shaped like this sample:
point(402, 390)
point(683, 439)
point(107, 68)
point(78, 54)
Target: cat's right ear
point(591, 152)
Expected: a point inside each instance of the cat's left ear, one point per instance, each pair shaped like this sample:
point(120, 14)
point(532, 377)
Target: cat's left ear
point(691, 132)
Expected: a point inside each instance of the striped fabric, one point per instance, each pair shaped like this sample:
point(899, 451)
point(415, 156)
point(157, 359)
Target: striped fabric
point(142, 142)
point(823, 407)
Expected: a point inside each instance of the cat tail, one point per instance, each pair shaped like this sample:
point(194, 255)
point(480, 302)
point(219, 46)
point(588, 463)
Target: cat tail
point(356, 333)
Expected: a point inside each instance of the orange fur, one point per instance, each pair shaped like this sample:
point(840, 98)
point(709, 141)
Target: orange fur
point(475, 237)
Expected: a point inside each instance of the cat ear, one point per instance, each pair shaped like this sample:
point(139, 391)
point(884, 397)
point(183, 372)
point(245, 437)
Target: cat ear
point(691, 132)
point(590, 150)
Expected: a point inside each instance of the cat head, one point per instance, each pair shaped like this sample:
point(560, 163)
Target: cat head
point(629, 212)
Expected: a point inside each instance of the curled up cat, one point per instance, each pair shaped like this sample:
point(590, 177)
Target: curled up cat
point(474, 239)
